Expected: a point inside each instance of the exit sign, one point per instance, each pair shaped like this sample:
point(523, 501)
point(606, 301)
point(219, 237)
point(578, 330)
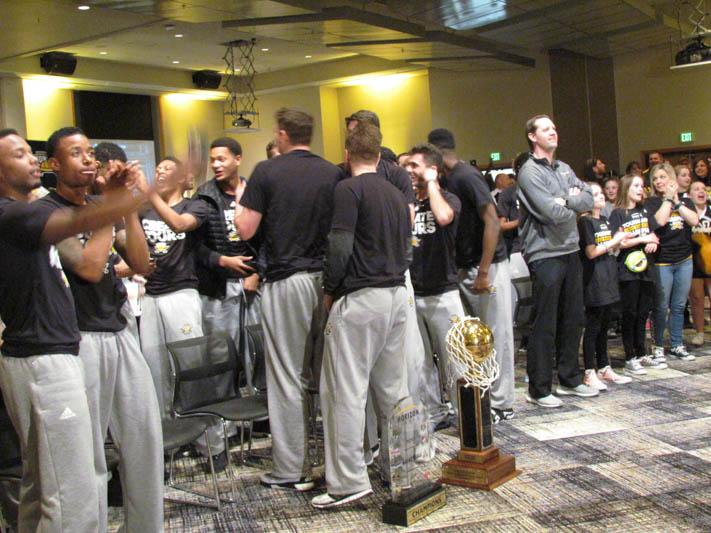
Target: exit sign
point(686, 136)
point(495, 156)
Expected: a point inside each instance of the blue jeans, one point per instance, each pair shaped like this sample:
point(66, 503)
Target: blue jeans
point(672, 292)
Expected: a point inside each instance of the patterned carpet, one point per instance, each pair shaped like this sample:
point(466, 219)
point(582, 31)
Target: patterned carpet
point(636, 458)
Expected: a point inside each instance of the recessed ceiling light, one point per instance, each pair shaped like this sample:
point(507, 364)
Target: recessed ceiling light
point(176, 62)
point(178, 35)
point(103, 53)
point(83, 7)
point(265, 49)
point(307, 57)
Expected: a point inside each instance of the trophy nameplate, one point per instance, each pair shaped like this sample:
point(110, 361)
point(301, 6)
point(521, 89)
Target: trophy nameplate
point(414, 490)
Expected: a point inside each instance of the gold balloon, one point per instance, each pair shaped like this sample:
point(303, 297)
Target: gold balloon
point(478, 339)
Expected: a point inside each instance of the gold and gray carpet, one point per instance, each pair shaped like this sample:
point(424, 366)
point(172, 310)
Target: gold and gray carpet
point(636, 458)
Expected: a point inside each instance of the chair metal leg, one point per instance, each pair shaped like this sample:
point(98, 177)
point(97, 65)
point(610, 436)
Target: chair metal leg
point(216, 497)
point(229, 461)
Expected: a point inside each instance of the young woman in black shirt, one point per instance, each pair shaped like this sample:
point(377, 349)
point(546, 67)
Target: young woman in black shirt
point(675, 216)
point(635, 280)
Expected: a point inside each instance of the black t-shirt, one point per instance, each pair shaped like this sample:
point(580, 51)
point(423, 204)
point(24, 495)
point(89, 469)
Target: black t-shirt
point(701, 245)
point(507, 207)
point(674, 236)
point(599, 274)
point(98, 305)
point(637, 222)
point(294, 194)
point(174, 253)
point(433, 270)
point(35, 301)
point(393, 173)
point(379, 218)
point(471, 189)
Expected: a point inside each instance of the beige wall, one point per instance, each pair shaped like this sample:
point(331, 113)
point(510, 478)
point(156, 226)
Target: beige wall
point(655, 104)
point(487, 111)
point(402, 103)
point(254, 143)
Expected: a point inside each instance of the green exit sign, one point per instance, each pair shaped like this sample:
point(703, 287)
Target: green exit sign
point(495, 156)
point(686, 136)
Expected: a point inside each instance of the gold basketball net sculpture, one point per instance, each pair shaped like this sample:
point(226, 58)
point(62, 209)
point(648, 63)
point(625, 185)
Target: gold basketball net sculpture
point(470, 345)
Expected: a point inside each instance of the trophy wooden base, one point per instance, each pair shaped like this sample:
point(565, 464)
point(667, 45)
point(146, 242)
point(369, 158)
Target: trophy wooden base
point(484, 470)
point(406, 513)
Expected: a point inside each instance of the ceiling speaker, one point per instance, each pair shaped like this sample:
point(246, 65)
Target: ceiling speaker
point(58, 63)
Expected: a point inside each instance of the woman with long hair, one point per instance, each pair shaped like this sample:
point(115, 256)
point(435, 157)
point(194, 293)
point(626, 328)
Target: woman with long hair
point(701, 243)
point(634, 277)
point(675, 217)
point(701, 171)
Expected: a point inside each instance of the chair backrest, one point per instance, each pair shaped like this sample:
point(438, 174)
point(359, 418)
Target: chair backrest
point(254, 350)
point(205, 371)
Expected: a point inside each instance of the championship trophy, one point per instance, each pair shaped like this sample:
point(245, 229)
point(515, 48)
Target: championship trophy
point(470, 344)
point(414, 490)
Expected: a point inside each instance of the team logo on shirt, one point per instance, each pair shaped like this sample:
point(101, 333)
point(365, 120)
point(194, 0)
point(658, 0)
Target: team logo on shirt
point(637, 226)
point(55, 262)
point(603, 235)
point(675, 221)
point(424, 223)
point(187, 329)
point(232, 234)
point(84, 238)
point(159, 236)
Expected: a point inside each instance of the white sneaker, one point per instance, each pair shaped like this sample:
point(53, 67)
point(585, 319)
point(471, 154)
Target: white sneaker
point(581, 390)
point(651, 362)
point(326, 501)
point(592, 381)
point(680, 353)
point(697, 339)
point(658, 354)
point(607, 374)
point(547, 401)
point(634, 368)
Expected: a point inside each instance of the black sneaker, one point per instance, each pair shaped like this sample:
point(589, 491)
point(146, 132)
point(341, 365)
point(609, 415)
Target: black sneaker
point(497, 415)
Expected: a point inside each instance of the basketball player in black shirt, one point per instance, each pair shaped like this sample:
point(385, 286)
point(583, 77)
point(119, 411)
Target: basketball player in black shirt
point(364, 285)
point(120, 389)
point(290, 198)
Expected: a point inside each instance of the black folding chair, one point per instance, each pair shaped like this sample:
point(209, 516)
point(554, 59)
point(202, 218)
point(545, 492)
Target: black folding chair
point(206, 370)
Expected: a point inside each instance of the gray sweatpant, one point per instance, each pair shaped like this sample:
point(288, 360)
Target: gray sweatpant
point(167, 318)
point(434, 315)
point(122, 398)
point(363, 349)
point(495, 310)
point(292, 314)
point(46, 400)
point(224, 315)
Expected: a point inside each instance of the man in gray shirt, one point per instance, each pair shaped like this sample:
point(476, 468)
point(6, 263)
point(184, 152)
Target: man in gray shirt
point(551, 195)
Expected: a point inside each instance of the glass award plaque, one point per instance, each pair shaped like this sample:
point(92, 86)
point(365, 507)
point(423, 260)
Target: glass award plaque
point(414, 489)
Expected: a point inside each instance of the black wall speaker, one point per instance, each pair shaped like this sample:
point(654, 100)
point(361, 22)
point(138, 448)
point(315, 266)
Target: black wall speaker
point(207, 79)
point(58, 63)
